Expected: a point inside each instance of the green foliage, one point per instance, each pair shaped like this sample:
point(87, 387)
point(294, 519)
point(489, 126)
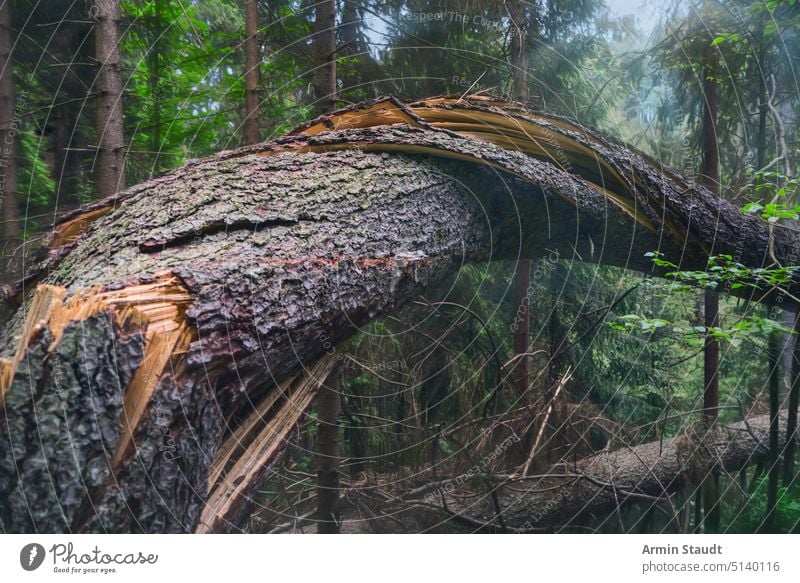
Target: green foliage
point(748, 517)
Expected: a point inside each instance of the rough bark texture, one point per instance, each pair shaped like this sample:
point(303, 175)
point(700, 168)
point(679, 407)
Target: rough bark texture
point(325, 56)
point(570, 493)
point(173, 347)
point(251, 122)
point(110, 162)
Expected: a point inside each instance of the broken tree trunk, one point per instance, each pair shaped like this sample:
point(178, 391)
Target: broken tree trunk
point(570, 493)
point(163, 353)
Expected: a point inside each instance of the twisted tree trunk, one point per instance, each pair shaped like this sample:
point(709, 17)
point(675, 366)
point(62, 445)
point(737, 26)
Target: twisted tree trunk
point(162, 354)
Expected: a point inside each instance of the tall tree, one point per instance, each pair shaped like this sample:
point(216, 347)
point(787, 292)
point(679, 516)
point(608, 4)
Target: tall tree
point(251, 118)
point(773, 460)
point(522, 276)
point(110, 162)
point(328, 404)
point(709, 176)
point(325, 57)
point(8, 149)
point(791, 418)
point(154, 80)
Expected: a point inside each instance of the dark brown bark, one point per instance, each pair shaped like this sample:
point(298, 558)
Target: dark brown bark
point(773, 460)
point(329, 399)
point(522, 281)
point(522, 275)
point(203, 331)
point(110, 161)
point(251, 118)
point(325, 56)
point(328, 516)
point(791, 418)
point(65, 167)
point(709, 176)
point(8, 150)
point(154, 83)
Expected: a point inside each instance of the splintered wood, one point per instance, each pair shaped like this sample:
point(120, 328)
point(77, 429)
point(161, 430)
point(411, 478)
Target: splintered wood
point(257, 441)
point(158, 307)
point(490, 120)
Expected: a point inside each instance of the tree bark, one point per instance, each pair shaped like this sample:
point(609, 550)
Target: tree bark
point(328, 516)
point(8, 129)
point(570, 493)
point(325, 56)
point(791, 419)
point(154, 83)
point(251, 118)
point(110, 162)
point(709, 176)
point(172, 350)
point(522, 274)
point(773, 459)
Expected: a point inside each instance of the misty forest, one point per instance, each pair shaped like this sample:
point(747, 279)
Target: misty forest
point(399, 266)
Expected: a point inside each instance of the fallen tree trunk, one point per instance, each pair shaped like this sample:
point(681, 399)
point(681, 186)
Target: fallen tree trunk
point(173, 335)
point(568, 495)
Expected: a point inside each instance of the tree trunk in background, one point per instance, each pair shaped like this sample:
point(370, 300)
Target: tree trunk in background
point(773, 460)
point(110, 161)
point(350, 45)
point(519, 49)
point(328, 401)
point(791, 418)
point(328, 407)
point(709, 175)
point(587, 489)
point(64, 167)
point(325, 57)
point(522, 274)
point(251, 52)
point(154, 84)
point(8, 146)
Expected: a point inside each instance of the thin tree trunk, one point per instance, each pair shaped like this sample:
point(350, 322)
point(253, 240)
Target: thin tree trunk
point(8, 157)
point(350, 46)
point(154, 84)
point(710, 177)
point(791, 419)
point(325, 56)
point(522, 282)
point(522, 274)
point(110, 162)
point(519, 49)
point(328, 403)
point(328, 409)
point(768, 524)
point(251, 119)
point(64, 172)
